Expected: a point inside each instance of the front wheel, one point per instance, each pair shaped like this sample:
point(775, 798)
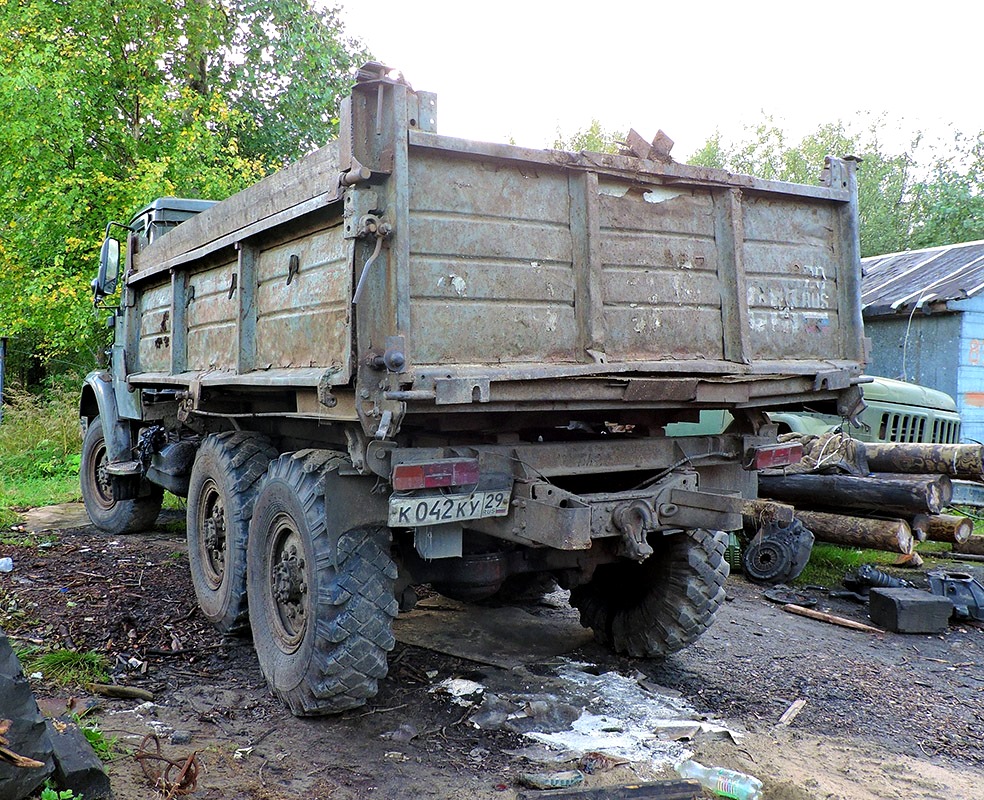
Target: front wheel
point(321, 601)
point(107, 513)
point(659, 606)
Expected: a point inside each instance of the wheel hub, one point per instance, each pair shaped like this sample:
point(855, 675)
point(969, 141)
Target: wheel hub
point(104, 485)
point(290, 588)
point(212, 528)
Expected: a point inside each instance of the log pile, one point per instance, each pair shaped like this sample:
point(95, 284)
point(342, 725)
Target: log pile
point(877, 496)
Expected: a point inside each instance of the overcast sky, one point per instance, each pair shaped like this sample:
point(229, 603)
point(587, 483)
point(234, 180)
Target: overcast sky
point(524, 70)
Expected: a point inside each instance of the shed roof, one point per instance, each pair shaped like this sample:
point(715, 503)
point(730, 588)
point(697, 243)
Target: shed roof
point(897, 281)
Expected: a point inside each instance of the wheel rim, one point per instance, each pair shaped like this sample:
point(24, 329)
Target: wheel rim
point(101, 483)
point(288, 582)
point(212, 530)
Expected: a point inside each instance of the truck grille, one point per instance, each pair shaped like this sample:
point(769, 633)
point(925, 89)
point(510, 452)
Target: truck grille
point(898, 427)
point(946, 431)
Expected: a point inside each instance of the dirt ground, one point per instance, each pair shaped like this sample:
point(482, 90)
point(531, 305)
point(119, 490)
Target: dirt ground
point(885, 716)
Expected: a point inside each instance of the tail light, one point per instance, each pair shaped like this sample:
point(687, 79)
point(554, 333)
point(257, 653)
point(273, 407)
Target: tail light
point(435, 474)
point(772, 456)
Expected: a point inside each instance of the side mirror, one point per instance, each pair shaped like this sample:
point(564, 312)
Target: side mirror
point(109, 269)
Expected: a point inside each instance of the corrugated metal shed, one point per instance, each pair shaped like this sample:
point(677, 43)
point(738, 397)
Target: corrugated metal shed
point(895, 282)
point(941, 346)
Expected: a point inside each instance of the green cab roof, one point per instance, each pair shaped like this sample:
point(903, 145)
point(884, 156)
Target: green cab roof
point(888, 390)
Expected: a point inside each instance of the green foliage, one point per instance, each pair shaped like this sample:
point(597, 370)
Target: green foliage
point(68, 667)
point(104, 106)
point(49, 792)
point(40, 440)
point(905, 200)
point(102, 745)
point(594, 139)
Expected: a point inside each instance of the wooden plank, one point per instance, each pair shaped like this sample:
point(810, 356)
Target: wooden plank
point(823, 616)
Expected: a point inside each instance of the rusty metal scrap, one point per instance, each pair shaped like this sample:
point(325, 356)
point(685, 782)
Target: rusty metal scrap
point(163, 779)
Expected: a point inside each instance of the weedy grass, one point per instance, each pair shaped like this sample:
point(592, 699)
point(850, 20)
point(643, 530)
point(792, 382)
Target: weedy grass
point(102, 745)
point(40, 447)
point(829, 563)
point(67, 667)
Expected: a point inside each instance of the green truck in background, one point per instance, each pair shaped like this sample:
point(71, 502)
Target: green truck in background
point(896, 412)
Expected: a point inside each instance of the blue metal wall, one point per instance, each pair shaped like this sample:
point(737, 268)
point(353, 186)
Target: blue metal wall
point(970, 372)
point(943, 351)
point(922, 351)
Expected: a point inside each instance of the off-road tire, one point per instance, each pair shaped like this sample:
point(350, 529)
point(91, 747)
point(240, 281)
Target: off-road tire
point(115, 517)
point(224, 480)
point(655, 608)
point(28, 735)
point(322, 618)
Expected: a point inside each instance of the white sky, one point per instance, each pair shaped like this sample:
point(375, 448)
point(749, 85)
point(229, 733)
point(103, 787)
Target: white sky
point(524, 70)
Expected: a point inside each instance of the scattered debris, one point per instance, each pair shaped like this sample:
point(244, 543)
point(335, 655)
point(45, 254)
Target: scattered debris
point(962, 589)
point(783, 595)
point(405, 733)
point(124, 692)
point(593, 762)
point(169, 777)
point(464, 692)
point(790, 713)
point(823, 616)
point(552, 780)
point(724, 782)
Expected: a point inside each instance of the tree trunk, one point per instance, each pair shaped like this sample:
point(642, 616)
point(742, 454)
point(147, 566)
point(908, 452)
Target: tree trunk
point(956, 460)
point(893, 535)
point(920, 525)
point(948, 528)
point(904, 495)
point(755, 512)
point(973, 546)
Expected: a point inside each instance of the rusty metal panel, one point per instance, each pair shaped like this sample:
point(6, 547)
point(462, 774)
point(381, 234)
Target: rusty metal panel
point(213, 308)
point(662, 293)
point(303, 297)
point(154, 313)
point(792, 272)
point(490, 263)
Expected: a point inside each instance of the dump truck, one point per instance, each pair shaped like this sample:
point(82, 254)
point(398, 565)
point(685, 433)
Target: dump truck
point(411, 359)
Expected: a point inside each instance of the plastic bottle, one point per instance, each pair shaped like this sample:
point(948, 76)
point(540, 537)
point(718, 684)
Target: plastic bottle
point(723, 782)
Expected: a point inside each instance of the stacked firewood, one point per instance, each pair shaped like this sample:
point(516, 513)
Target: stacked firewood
point(877, 496)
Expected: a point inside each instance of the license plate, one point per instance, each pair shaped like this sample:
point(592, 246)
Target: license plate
point(410, 512)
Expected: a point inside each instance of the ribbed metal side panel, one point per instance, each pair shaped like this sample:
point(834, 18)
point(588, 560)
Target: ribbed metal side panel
point(662, 295)
point(490, 264)
point(792, 272)
point(211, 319)
point(154, 347)
point(304, 322)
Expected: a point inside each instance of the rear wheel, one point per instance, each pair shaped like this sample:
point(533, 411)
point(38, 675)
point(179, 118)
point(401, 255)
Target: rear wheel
point(228, 467)
point(107, 513)
point(321, 601)
point(659, 606)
